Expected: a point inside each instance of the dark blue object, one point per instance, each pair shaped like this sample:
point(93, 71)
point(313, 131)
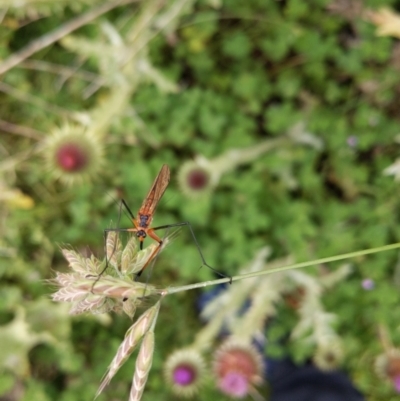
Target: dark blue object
point(307, 383)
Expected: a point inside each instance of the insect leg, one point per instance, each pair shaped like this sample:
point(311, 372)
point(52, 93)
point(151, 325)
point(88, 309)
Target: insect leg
point(106, 231)
point(153, 235)
point(186, 223)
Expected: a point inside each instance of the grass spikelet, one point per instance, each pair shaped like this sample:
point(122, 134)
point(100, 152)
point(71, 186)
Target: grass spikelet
point(128, 256)
point(131, 340)
point(89, 303)
point(129, 308)
point(117, 288)
point(113, 249)
point(106, 292)
point(143, 365)
point(76, 261)
point(69, 294)
point(93, 265)
point(143, 256)
point(64, 279)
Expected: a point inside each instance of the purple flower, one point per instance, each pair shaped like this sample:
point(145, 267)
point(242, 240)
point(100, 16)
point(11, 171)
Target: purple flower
point(71, 157)
point(237, 367)
point(235, 384)
point(185, 372)
point(352, 141)
point(368, 284)
point(184, 375)
point(73, 154)
point(396, 383)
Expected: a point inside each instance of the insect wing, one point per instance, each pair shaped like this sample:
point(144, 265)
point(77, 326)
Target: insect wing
point(156, 192)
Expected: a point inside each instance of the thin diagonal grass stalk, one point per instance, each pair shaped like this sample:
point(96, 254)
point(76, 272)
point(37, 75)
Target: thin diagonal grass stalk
point(173, 290)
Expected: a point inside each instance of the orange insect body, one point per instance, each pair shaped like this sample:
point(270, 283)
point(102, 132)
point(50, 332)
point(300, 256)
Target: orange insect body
point(146, 211)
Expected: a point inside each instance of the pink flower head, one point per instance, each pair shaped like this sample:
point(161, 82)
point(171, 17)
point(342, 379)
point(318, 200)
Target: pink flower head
point(234, 384)
point(71, 157)
point(237, 366)
point(396, 383)
point(184, 375)
point(185, 372)
point(73, 154)
point(197, 179)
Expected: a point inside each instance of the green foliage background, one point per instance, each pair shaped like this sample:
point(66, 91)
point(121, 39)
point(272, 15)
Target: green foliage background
point(246, 72)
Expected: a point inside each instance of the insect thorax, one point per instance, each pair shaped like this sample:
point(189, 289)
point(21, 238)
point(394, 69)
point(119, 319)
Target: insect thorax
point(141, 234)
point(144, 220)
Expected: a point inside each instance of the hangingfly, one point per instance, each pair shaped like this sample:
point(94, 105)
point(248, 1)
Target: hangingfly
point(145, 216)
point(146, 212)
